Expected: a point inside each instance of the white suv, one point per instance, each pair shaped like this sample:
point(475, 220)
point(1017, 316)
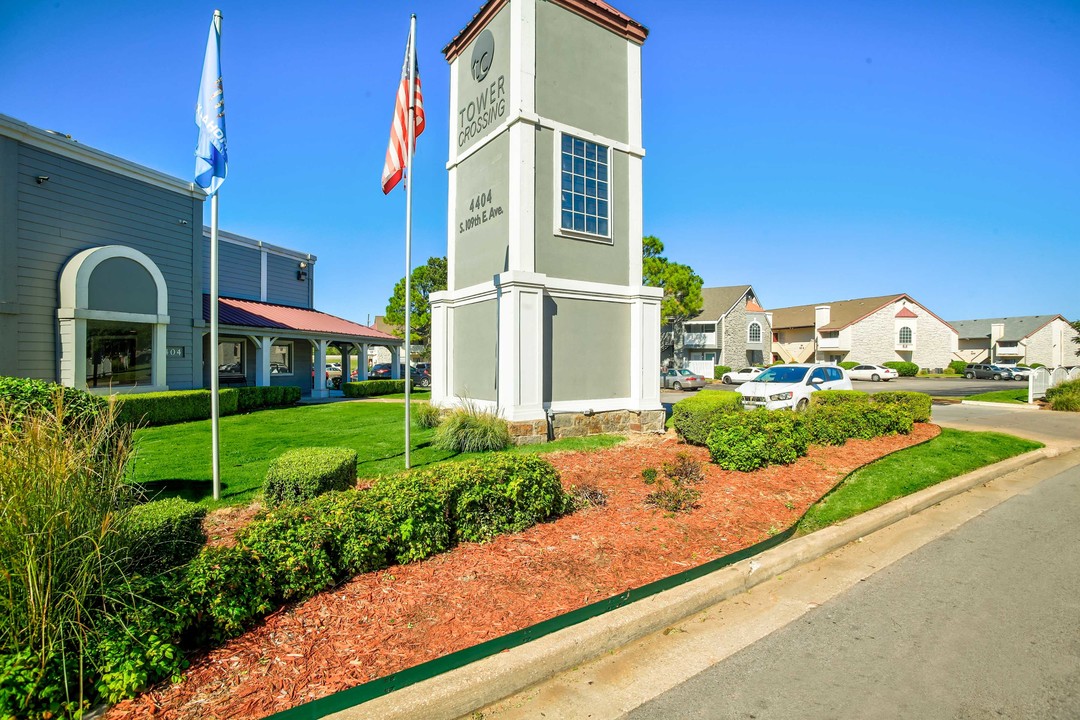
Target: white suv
point(790, 386)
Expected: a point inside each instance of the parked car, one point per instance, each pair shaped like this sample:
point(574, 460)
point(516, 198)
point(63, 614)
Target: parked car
point(738, 377)
point(381, 371)
point(873, 373)
point(790, 386)
point(683, 379)
point(1020, 373)
point(992, 372)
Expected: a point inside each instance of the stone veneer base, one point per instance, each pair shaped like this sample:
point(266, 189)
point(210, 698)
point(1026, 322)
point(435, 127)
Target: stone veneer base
point(577, 424)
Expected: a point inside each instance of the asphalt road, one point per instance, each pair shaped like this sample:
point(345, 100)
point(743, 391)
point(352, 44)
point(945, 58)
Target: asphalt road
point(982, 623)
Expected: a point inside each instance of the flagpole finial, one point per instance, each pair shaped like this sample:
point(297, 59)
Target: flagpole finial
point(217, 13)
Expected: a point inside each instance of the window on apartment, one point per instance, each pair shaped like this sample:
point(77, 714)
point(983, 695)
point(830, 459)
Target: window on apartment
point(754, 332)
point(281, 358)
point(700, 327)
point(905, 335)
point(584, 199)
point(231, 360)
point(118, 354)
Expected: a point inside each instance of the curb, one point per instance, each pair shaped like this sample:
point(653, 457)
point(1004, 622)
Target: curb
point(458, 692)
point(1005, 406)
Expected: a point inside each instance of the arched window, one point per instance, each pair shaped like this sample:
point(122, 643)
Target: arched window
point(905, 335)
point(113, 316)
point(754, 332)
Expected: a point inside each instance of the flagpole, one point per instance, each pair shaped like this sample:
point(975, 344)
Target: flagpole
point(408, 236)
point(215, 410)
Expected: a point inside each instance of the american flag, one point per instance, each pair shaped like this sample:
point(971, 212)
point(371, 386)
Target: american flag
point(394, 167)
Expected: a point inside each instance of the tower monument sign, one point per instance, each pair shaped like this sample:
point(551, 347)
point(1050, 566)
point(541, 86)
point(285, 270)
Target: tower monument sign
point(545, 318)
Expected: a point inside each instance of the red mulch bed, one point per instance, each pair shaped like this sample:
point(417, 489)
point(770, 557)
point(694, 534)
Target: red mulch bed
point(386, 621)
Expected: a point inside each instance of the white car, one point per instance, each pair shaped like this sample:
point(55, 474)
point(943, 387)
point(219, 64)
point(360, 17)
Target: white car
point(872, 372)
point(790, 386)
point(738, 377)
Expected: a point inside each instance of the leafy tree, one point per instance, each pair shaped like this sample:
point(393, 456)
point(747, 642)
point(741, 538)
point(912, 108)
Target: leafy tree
point(681, 285)
point(1076, 338)
point(426, 279)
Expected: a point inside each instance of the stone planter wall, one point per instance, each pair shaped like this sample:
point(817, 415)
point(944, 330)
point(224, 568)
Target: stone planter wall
point(566, 425)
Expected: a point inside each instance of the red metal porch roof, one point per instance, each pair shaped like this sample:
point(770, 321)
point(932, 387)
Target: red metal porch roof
point(254, 314)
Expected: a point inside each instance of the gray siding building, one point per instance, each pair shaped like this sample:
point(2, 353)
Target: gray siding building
point(104, 266)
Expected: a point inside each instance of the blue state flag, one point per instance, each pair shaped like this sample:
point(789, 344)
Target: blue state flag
point(211, 155)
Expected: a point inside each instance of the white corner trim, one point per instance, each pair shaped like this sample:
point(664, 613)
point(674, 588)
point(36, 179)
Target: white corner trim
point(633, 87)
point(262, 274)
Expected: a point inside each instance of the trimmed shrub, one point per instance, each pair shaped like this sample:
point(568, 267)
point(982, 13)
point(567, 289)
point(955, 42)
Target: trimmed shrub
point(426, 415)
point(719, 370)
point(173, 406)
point(750, 440)
point(293, 548)
point(693, 417)
point(21, 395)
point(256, 398)
point(230, 588)
point(1036, 366)
point(359, 536)
point(836, 424)
point(413, 514)
point(470, 429)
point(496, 495)
point(164, 533)
point(1066, 403)
point(918, 405)
point(371, 388)
point(957, 367)
point(906, 369)
point(838, 397)
point(848, 365)
point(303, 473)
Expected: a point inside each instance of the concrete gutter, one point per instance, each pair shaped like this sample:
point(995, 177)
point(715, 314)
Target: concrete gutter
point(459, 692)
point(1003, 406)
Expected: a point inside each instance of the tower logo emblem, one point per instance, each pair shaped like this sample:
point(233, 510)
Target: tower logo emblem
point(482, 54)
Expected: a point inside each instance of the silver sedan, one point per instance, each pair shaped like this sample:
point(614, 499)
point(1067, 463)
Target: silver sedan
point(682, 380)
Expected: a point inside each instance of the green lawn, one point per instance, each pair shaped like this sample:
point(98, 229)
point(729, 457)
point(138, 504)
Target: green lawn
point(175, 459)
point(1015, 397)
point(949, 455)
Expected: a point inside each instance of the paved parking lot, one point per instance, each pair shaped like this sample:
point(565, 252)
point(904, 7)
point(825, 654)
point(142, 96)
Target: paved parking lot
point(940, 387)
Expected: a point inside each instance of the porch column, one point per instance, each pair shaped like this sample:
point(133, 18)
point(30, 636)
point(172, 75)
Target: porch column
point(262, 358)
point(361, 361)
point(395, 361)
point(319, 386)
point(346, 362)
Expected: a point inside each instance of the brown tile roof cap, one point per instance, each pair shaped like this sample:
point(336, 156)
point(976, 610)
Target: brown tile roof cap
point(597, 11)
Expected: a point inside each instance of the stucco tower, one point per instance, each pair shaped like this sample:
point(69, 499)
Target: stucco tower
point(545, 317)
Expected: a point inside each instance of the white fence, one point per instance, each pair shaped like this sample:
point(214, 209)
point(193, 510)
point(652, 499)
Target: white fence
point(1044, 378)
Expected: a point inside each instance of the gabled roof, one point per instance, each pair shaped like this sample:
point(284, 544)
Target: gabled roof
point(1016, 328)
point(842, 312)
point(597, 11)
point(255, 314)
point(905, 312)
point(717, 301)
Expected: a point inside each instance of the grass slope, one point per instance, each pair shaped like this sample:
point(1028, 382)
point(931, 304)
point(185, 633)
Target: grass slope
point(174, 460)
point(949, 455)
point(1015, 397)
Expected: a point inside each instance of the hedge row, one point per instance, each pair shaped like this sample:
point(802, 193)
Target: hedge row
point(176, 406)
point(369, 388)
point(719, 370)
point(164, 533)
point(693, 417)
point(296, 550)
point(303, 473)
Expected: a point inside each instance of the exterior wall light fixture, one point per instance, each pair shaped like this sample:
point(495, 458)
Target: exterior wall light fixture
point(301, 274)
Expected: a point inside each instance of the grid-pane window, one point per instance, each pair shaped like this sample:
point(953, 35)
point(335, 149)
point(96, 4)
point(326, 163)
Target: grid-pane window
point(755, 333)
point(905, 335)
point(281, 359)
point(584, 193)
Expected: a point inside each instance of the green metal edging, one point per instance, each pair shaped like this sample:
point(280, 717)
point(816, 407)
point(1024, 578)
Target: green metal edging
point(359, 694)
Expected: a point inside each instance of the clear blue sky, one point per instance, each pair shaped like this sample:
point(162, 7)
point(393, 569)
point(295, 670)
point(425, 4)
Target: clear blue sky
point(818, 151)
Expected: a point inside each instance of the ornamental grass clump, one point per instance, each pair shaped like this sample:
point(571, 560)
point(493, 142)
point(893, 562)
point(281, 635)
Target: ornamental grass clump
point(426, 415)
point(472, 429)
point(63, 552)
